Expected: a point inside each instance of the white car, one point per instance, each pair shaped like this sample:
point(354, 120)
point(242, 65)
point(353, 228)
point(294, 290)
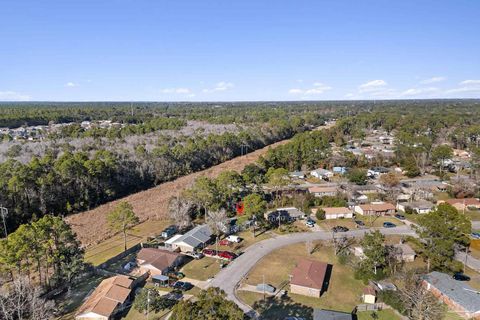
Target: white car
point(233, 238)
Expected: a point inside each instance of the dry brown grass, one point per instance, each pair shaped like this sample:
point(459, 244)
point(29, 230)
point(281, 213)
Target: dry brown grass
point(91, 226)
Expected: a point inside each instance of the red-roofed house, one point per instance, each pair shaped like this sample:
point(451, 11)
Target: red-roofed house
point(308, 278)
point(157, 261)
point(464, 204)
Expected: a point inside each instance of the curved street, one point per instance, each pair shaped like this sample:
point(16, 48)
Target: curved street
point(229, 278)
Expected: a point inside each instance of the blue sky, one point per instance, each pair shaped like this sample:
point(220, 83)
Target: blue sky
point(203, 50)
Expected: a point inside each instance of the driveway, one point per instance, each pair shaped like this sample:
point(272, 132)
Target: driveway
point(229, 278)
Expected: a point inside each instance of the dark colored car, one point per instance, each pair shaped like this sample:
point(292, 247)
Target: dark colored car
point(400, 217)
point(389, 225)
point(227, 255)
point(459, 276)
point(359, 223)
point(184, 286)
point(339, 229)
point(168, 232)
point(209, 252)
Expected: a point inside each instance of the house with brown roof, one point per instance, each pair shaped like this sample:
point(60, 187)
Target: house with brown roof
point(110, 297)
point(375, 209)
point(337, 213)
point(158, 261)
point(308, 278)
point(464, 204)
point(323, 191)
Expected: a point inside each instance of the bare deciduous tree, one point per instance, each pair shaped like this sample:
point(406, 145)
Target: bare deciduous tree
point(179, 210)
point(418, 301)
point(21, 300)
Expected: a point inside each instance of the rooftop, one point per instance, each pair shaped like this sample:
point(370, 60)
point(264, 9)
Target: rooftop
point(309, 273)
point(458, 291)
point(160, 259)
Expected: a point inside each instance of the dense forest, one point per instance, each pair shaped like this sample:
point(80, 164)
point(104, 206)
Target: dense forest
point(75, 169)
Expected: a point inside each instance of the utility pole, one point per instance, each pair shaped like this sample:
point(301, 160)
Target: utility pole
point(4, 213)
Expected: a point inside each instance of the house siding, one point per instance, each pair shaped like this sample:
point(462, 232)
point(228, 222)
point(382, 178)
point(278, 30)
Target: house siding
point(305, 291)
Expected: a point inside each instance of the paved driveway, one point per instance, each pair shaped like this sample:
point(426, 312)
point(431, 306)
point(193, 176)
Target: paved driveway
point(229, 278)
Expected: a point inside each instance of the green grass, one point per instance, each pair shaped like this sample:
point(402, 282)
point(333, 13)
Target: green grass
point(386, 314)
point(343, 293)
point(202, 269)
point(111, 247)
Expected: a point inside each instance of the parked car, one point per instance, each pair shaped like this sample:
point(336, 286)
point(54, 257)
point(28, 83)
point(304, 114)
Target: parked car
point(460, 276)
point(475, 235)
point(389, 225)
point(227, 255)
point(359, 223)
point(310, 223)
point(400, 216)
point(195, 255)
point(209, 252)
point(184, 286)
point(169, 231)
point(233, 238)
point(339, 229)
point(224, 242)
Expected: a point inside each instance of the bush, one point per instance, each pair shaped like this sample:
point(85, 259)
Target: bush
point(393, 299)
point(320, 214)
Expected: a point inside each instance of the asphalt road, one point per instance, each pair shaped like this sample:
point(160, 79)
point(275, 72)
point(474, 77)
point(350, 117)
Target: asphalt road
point(229, 278)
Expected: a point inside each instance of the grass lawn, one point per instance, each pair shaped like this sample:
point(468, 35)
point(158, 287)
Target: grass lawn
point(343, 293)
point(202, 269)
point(69, 304)
point(378, 222)
point(473, 215)
point(135, 315)
point(386, 314)
point(329, 224)
point(109, 248)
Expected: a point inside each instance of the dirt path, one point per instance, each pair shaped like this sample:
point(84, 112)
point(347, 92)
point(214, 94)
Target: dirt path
point(91, 226)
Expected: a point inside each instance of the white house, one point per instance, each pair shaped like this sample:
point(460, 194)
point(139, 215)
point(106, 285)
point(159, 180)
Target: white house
point(321, 174)
point(420, 207)
point(338, 213)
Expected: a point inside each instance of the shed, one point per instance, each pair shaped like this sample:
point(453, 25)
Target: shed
point(369, 295)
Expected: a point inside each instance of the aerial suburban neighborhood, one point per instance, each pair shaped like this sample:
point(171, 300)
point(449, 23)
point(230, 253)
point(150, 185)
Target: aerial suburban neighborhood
point(234, 160)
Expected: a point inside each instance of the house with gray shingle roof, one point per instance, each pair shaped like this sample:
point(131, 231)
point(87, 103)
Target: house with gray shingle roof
point(457, 295)
point(194, 239)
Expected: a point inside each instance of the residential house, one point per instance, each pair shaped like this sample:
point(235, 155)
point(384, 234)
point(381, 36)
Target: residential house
point(464, 204)
point(320, 314)
point(278, 216)
point(337, 213)
point(375, 172)
point(293, 213)
point(323, 191)
point(297, 175)
point(375, 209)
point(457, 295)
point(158, 261)
point(340, 170)
point(366, 189)
point(404, 252)
point(369, 295)
point(110, 297)
point(321, 174)
point(309, 278)
point(197, 238)
point(420, 207)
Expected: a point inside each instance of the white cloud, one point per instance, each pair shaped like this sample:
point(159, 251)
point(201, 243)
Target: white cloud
point(433, 80)
point(295, 91)
point(317, 88)
point(374, 85)
point(470, 82)
point(219, 87)
point(71, 84)
point(420, 91)
point(176, 91)
point(13, 96)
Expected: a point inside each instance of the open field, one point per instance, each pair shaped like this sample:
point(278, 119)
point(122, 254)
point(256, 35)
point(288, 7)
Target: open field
point(91, 226)
point(350, 224)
